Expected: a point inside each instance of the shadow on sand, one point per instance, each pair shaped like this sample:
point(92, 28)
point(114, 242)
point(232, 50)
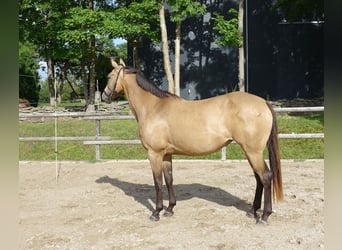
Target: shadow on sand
point(143, 193)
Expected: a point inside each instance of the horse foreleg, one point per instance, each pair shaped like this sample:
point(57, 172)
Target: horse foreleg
point(257, 198)
point(156, 165)
point(158, 185)
point(167, 169)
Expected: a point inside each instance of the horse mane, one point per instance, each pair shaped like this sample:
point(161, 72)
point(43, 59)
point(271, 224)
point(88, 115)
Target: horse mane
point(148, 85)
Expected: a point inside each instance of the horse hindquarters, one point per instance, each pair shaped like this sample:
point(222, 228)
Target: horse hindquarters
point(253, 146)
point(265, 176)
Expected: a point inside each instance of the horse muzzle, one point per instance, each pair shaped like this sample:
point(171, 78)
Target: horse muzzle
point(106, 98)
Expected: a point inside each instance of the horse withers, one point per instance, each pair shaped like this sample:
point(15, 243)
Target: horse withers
point(171, 125)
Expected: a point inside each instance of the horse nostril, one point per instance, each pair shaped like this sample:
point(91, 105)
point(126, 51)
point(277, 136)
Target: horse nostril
point(105, 98)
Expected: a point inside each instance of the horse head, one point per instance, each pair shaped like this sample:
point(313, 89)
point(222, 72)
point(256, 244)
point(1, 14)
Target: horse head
point(114, 86)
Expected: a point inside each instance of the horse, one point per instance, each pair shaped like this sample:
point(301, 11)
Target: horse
point(171, 125)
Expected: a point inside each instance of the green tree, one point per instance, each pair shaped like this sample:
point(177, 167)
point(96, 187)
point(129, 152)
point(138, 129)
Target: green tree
point(231, 34)
point(39, 22)
point(81, 32)
point(28, 76)
point(90, 26)
point(77, 34)
point(133, 21)
point(44, 94)
point(178, 10)
point(228, 29)
point(72, 35)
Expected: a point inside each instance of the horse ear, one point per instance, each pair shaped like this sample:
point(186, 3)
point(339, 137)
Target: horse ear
point(114, 64)
point(122, 62)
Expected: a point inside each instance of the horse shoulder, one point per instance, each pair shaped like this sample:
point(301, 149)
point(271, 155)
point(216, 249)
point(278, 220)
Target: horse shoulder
point(154, 129)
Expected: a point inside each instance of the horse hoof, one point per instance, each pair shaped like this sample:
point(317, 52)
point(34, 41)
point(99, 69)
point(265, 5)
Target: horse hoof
point(168, 213)
point(154, 218)
point(250, 215)
point(261, 222)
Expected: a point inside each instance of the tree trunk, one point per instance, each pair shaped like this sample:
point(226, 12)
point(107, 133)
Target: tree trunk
point(84, 80)
point(92, 72)
point(61, 80)
point(241, 50)
point(51, 80)
point(165, 47)
point(177, 58)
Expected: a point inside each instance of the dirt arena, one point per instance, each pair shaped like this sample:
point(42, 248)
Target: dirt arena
point(107, 205)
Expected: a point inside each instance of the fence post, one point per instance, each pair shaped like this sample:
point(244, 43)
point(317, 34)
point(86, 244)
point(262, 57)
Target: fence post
point(97, 134)
point(223, 153)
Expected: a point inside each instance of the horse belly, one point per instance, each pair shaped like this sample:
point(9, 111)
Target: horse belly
point(194, 142)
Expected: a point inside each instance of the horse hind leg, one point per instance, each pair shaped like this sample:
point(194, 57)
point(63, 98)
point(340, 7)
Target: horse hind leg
point(257, 198)
point(263, 178)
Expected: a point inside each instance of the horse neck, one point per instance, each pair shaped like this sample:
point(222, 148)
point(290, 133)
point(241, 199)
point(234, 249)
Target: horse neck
point(140, 100)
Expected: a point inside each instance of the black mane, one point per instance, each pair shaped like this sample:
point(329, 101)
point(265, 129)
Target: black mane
point(148, 85)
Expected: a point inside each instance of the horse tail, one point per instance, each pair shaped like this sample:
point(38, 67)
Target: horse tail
point(274, 157)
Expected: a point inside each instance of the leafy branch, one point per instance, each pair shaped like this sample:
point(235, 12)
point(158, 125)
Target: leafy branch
point(228, 29)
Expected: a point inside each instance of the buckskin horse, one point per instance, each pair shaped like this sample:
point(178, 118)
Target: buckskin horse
point(171, 125)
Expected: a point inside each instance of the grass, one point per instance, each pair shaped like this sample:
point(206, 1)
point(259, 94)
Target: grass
point(128, 129)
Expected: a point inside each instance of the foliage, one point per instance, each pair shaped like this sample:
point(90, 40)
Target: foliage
point(79, 26)
point(228, 29)
point(133, 20)
point(33, 15)
point(44, 94)
point(300, 9)
point(28, 76)
point(121, 51)
point(181, 9)
point(62, 30)
point(67, 91)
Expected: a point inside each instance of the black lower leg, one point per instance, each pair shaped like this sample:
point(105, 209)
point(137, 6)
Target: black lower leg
point(167, 169)
point(267, 196)
point(158, 184)
point(257, 198)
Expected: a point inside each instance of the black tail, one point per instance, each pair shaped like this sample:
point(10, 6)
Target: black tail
point(274, 157)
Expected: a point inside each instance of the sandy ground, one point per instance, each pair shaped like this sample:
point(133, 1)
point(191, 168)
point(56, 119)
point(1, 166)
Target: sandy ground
point(107, 205)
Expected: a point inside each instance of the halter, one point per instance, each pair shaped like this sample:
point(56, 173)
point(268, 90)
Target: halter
point(116, 82)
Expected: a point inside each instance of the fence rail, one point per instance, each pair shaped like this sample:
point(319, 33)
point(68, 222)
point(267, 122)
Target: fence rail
point(98, 140)
point(298, 109)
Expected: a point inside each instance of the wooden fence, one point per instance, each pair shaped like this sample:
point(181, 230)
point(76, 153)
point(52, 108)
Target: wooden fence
point(99, 140)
